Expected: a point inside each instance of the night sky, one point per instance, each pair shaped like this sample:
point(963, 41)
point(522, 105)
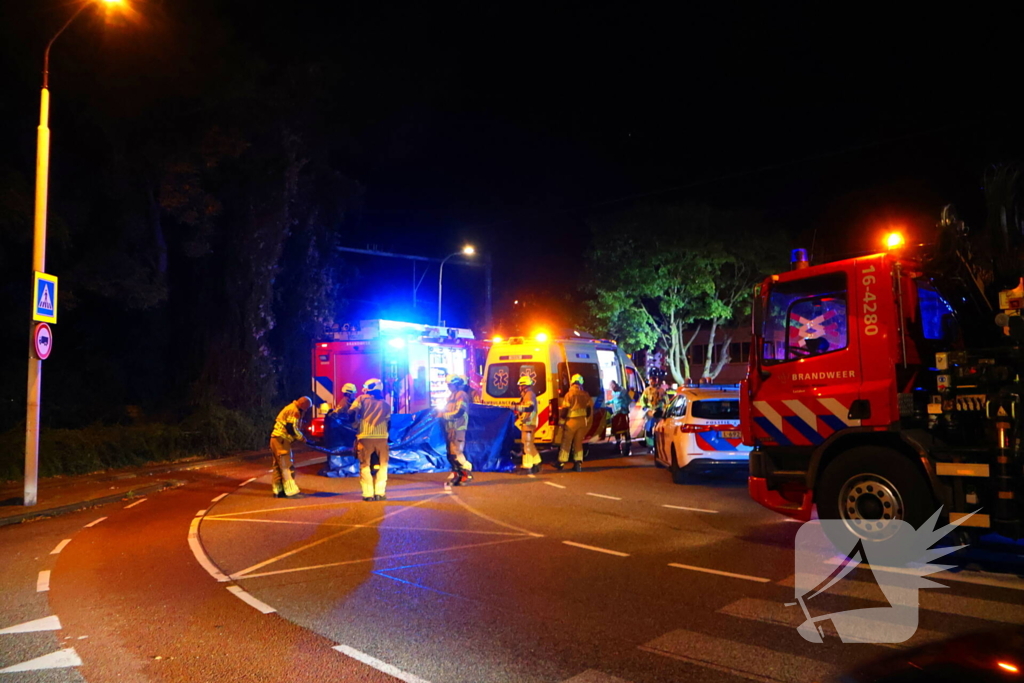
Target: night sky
point(514, 126)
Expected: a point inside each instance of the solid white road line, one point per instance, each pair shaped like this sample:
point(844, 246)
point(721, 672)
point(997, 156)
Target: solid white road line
point(140, 500)
point(247, 481)
point(758, 579)
point(379, 665)
point(200, 513)
point(50, 623)
point(601, 495)
point(43, 582)
point(55, 660)
point(219, 498)
point(60, 546)
point(596, 549)
point(680, 507)
point(492, 520)
point(557, 486)
point(94, 522)
point(752, 662)
point(200, 554)
point(250, 600)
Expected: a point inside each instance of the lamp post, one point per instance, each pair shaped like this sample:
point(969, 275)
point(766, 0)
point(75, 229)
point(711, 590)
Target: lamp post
point(467, 250)
point(35, 366)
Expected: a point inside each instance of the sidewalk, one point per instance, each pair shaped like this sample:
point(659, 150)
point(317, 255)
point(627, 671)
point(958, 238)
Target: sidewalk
point(60, 495)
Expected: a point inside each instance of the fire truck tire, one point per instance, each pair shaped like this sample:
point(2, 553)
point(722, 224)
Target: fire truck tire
point(866, 486)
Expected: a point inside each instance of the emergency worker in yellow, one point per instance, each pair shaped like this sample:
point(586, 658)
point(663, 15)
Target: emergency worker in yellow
point(456, 421)
point(287, 430)
point(652, 401)
point(348, 396)
point(577, 408)
point(373, 415)
point(527, 423)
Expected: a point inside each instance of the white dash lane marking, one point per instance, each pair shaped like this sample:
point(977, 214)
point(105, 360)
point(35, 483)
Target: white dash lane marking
point(140, 500)
point(60, 659)
point(532, 476)
point(680, 507)
point(596, 549)
point(557, 486)
point(758, 579)
point(379, 665)
point(43, 582)
point(250, 600)
point(94, 522)
point(50, 623)
point(60, 546)
point(219, 498)
point(601, 495)
point(247, 481)
point(200, 513)
point(200, 554)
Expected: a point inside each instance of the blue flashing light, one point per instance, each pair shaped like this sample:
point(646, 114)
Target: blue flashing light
point(397, 343)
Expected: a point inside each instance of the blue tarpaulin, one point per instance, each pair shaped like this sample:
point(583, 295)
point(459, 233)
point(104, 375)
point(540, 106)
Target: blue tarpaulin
point(417, 443)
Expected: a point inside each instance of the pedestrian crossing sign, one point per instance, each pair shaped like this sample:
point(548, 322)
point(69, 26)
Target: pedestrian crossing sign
point(44, 298)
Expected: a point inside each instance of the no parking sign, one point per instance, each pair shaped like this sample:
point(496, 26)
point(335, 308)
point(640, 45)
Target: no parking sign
point(43, 341)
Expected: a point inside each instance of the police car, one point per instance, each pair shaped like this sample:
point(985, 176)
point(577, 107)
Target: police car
point(700, 431)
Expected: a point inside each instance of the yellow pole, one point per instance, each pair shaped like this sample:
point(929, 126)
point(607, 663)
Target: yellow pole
point(35, 366)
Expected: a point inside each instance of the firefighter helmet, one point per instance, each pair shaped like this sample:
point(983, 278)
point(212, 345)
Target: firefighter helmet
point(373, 385)
point(457, 380)
point(349, 388)
point(525, 381)
point(576, 379)
point(304, 403)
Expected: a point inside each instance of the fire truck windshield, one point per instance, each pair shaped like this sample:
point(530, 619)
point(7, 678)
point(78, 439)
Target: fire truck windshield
point(805, 318)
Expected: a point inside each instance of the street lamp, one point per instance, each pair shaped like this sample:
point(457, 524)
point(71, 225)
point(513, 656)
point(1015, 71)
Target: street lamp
point(467, 250)
point(35, 365)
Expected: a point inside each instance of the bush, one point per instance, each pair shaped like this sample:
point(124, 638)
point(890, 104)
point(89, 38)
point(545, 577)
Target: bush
point(209, 431)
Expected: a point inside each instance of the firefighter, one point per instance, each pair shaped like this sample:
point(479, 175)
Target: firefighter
point(287, 430)
point(619, 406)
point(577, 408)
point(527, 423)
point(348, 395)
point(456, 421)
point(374, 416)
point(652, 401)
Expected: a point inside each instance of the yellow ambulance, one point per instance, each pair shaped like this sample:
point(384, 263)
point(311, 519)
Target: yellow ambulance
point(551, 362)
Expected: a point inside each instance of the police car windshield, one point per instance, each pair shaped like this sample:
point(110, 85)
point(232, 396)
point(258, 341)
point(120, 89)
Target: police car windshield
point(716, 409)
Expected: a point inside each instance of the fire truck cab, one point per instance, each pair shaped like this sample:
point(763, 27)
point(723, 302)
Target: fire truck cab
point(872, 394)
point(551, 362)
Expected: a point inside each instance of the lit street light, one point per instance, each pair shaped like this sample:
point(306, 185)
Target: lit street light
point(467, 250)
point(35, 365)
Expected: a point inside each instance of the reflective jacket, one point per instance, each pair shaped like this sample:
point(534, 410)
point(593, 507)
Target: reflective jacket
point(651, 398)
point(527, 410)
point(576, 403)
point(373, 414)
point(286, 427)
point(456, 411)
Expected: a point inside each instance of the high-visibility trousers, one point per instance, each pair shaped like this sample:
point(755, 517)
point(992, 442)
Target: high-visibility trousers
point(373, 485)
point(530, 455)
point(282, 472)
point(457, 450)
point(573, 434)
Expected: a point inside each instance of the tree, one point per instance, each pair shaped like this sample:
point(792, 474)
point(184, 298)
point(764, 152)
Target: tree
point(663, 274)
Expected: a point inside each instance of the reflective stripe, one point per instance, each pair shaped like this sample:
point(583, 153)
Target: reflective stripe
point(577, 413)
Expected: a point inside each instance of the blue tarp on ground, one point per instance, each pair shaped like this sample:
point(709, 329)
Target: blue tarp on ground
point(418, 445)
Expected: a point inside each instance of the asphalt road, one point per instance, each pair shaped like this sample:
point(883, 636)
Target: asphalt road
point(612, 574)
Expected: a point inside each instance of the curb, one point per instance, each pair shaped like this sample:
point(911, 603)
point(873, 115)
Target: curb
point(81, 505)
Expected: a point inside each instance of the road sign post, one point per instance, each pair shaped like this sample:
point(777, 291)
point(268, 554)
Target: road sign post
point(44, 310)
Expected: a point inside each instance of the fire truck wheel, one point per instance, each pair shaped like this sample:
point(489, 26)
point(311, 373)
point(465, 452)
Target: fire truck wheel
point(869, 486)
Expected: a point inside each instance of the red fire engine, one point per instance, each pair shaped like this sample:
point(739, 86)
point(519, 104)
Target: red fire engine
point(413, 360)
point(885, 386)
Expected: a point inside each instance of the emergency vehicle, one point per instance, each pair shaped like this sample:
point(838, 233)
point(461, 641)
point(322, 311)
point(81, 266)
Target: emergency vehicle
point(551, 362)
point(413, 360)
point(701, 432)
point(885, 386)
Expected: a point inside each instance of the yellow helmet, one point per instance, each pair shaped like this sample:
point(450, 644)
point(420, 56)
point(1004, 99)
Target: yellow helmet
point(457, 380)
point(525, 381)
point(348, 388)
point(373, 384)
point(576, 379)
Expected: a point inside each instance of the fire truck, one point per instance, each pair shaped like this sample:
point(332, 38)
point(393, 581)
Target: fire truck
point(413, 360)
point(886, 386)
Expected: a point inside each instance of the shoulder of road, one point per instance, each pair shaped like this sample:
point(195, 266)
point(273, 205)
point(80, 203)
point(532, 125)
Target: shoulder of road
point(61, 495)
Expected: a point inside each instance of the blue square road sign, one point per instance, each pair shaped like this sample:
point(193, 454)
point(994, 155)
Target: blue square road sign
point(44, 298)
